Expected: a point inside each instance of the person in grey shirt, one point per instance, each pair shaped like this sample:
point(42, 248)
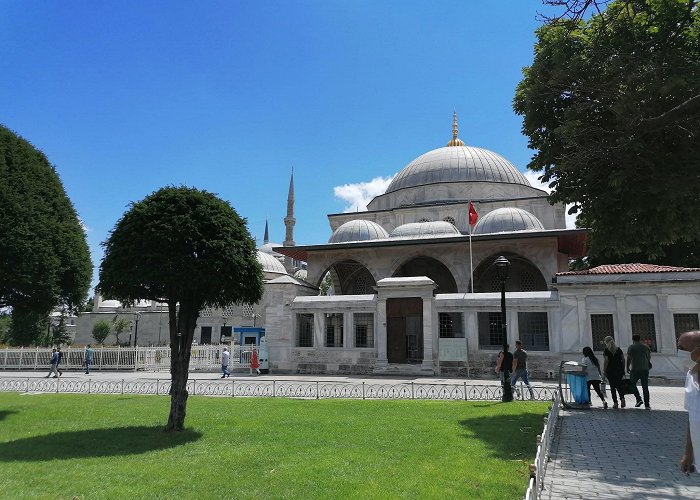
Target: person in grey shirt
point(520, 368)
point(638, 361)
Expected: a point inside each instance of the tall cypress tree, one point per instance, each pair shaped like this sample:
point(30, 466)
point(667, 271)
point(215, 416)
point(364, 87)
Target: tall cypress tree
point(44, 256)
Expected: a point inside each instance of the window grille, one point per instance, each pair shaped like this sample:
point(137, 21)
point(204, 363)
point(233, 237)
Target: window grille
point(451, 220)
point(423, 220)
point(305, 330)
point(533, 330)
point(495, 283)
point(364, 329)
point(643, 325)
point(334, 330)
point(248, 310)
point(684, 323)
point(229, 310)
point(527, 282)
point(450, 325)
point(206, 312)
point(490, 330)
point(360, 286)
point(601, 326)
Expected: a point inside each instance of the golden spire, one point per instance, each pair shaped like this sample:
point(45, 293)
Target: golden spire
point(455, 140)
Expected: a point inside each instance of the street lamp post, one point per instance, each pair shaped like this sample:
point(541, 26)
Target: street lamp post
point(502, 267)
point(137, 316)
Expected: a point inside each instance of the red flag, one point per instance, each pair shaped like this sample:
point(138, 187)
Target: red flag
point(473, 216)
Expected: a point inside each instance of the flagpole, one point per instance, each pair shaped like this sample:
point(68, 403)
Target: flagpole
point(471, 264)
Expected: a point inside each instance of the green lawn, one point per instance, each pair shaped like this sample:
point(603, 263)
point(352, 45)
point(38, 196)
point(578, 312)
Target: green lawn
point(100, 446)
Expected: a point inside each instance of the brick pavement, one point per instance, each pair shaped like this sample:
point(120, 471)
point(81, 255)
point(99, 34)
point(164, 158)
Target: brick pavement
point(622, 454)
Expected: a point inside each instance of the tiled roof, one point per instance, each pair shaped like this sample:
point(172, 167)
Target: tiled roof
point(630, 268)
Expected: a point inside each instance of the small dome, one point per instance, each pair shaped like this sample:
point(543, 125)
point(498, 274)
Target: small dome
point(506, 220)
point(358, 230)
point(270, 264)
point(436, 229)
point(268, 248)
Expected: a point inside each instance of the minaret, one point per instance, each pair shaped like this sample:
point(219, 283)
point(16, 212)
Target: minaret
point(289, 220)
point(455, 140)
point(266, 238)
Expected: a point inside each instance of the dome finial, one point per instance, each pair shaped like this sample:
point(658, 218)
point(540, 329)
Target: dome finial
point(455, 140)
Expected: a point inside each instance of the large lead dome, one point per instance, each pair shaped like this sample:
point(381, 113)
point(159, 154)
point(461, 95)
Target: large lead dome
point(457, 164)
point(454, 174)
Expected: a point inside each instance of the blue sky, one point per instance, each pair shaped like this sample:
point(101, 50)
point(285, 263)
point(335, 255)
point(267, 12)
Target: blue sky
point(127, 97)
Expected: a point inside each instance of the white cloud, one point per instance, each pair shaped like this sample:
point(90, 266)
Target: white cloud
point(83, 225)
point(357, 196)
point(533, 178)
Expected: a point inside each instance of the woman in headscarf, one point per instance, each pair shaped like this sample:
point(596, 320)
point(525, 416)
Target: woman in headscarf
point(614, 369)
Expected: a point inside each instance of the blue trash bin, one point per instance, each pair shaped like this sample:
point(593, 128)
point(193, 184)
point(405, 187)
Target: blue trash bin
point(578, 386)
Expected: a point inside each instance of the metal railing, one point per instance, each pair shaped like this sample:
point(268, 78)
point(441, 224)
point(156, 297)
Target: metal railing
point(202, 358)
point(308, 389)
point(538, 469)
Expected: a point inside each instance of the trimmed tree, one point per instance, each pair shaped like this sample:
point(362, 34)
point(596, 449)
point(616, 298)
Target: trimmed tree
point(611, 106)
point(44, 256)
point(100, 331)
point(188, 249)
point(119, 326)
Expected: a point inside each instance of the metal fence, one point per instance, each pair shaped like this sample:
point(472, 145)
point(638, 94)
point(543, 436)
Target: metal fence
point(308, 389)
point(544, 441)
point(202, 358)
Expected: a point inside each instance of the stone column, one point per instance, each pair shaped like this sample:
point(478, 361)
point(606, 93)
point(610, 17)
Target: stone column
point(380, 332)
point(428, 362)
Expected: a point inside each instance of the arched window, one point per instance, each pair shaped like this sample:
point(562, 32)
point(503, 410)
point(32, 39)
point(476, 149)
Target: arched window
point(451, 220)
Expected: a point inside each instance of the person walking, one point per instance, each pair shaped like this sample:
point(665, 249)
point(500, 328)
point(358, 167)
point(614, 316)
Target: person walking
point(54, 364)
point(689, 351)
point(614, 369)
point(503, 364)
point(88, 359)
point(520, 368)
point(593, 375)
point(638, 361)
point(225, 357)
point(58, 363)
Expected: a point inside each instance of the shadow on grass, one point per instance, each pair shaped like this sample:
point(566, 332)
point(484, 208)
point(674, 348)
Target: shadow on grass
point(6, 413)
point(508, 437)
point(94, 443)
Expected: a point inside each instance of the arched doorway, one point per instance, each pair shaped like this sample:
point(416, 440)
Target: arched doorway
point(433, 269)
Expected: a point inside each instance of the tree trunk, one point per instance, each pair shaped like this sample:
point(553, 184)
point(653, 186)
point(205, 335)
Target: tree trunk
point(182, 324)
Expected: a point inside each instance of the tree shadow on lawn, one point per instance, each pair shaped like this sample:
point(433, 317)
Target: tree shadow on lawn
point(6, 413)
point(508, 437)
point(94, 443)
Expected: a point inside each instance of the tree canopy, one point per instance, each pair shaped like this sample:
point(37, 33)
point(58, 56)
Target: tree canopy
point(189, 249)
point(44, 256)
point(611, 105)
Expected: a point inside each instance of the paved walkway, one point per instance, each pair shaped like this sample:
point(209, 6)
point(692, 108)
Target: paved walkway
point(622, 454)
point(596, 453)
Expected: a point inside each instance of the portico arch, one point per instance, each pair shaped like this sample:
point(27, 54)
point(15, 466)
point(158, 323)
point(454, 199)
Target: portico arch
point(523, 275)
point(430, 267)
point(350, 278)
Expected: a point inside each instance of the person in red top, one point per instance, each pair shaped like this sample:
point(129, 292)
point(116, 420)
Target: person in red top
point(254, 363)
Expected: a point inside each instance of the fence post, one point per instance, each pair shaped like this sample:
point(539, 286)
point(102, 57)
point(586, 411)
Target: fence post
point(363, 389)
point(412, 391)
point(274, 391)
point(58, 382)
point(317, 389)
point(465, 391)
point(89, 385)
point(233, 388)
point(194, 386)
point(122, 386)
